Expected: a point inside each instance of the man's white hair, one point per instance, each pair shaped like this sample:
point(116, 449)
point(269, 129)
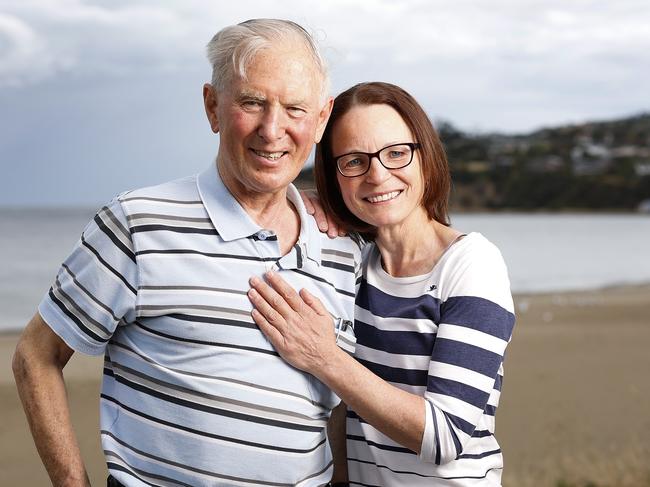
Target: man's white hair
point(233, 48)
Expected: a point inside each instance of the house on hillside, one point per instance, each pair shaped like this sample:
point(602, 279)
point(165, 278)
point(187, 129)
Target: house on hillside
point(589, 158)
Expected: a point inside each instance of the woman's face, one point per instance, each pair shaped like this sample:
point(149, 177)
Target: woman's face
point(380, 197)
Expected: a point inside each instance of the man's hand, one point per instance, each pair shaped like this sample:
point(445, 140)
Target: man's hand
point(37, 365)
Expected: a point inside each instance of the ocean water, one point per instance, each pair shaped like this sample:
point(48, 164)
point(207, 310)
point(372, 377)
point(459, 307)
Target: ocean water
point(557, 252)
point(544, 252)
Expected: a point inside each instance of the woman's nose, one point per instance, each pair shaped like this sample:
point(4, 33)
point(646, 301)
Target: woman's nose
point(377, 173)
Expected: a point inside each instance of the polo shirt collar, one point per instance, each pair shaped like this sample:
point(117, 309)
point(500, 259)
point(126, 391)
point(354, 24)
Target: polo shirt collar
point(232, 222)
point(227, 215)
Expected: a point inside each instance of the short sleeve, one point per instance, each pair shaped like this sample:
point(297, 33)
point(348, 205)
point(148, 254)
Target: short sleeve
point(95, 289)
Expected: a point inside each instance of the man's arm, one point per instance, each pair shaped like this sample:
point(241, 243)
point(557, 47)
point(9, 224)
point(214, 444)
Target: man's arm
point(336, 436)
point(38, 369)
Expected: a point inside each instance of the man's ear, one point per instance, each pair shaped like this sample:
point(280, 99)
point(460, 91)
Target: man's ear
point(323, 117)
point(210, 102)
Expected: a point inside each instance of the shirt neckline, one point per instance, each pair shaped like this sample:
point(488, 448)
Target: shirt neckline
point(375, 262)
point(232, 222)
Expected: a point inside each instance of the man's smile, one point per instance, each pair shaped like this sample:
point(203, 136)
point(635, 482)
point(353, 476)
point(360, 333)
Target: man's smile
point(272, 156)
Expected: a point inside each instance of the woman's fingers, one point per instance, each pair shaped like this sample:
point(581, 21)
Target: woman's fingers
point(313, 302)
point(267, 311)
point(307, 196)
point(286, 292)
point(333, 230)
point(315, 209)
point(269, 330)
point(271, 296)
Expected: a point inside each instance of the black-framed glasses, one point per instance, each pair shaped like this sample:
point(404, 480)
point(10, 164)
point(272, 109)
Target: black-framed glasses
point(394, 156)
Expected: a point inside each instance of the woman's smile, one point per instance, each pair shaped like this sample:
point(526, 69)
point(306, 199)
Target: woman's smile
point(383, 197)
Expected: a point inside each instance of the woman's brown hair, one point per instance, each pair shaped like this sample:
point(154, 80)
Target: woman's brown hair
point(433, 161)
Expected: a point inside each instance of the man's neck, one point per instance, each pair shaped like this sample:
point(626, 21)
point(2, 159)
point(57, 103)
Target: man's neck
point(270, 210)
point(281, 217)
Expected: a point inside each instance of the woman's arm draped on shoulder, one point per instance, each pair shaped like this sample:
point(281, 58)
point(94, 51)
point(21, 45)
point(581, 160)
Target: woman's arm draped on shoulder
point(325, 222)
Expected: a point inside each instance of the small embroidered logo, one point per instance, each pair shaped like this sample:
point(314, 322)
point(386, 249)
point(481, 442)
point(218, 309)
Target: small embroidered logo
point(433, 287)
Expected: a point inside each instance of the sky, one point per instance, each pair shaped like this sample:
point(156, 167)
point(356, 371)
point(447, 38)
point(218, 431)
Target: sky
point(97, 97)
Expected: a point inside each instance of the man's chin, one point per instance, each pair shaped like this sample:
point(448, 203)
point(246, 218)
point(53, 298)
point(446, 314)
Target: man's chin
point(267, 183)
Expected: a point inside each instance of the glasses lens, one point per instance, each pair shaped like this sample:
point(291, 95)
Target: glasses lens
point(396, 156)
point(353, 164)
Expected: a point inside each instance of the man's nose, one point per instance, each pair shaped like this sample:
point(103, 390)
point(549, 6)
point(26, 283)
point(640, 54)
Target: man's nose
point(377, 173)
point(273, 124)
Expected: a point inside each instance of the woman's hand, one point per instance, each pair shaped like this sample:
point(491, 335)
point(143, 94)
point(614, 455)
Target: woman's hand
point(298, 325)
point(325, 222)
point(302, 331)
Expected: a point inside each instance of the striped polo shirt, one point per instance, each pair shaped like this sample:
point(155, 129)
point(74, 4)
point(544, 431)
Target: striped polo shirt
point(193, 393)
point(441, 335)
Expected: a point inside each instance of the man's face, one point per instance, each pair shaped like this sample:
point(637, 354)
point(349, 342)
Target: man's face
point(269, 123)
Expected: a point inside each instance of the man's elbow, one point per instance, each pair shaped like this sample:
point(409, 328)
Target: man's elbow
point(38, 349)
point(20, 363)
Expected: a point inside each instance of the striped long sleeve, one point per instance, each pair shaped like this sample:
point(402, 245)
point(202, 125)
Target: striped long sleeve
point(442, 336)
point(466, 369)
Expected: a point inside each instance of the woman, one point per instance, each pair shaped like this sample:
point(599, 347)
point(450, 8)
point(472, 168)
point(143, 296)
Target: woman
point(434, 309)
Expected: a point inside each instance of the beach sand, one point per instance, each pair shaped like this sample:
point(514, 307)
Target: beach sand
point(575, 406)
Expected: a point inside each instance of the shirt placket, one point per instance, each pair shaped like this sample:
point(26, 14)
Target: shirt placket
point(265, 243)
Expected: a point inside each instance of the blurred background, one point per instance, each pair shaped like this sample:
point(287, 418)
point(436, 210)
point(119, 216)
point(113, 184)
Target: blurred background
point(544, 110)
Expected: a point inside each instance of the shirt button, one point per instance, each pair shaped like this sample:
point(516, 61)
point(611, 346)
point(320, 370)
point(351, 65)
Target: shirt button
point(263, 235)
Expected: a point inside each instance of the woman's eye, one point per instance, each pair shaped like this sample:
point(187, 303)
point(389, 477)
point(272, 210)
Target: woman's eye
point(353, 162)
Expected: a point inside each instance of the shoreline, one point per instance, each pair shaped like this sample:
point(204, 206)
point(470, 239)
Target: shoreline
point(92, 208)
point(574, 407)
point(558, 296)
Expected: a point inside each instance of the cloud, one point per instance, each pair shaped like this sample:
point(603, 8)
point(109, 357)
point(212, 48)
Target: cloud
point(111, 89)
point(23, 53)
point(113, 37)
point(531, 52)
point(44, 39)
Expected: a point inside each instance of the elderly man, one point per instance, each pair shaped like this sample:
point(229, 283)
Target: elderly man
point(192, 392)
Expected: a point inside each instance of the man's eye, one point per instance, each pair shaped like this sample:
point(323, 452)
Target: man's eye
point(296, 111)
point(252, 103)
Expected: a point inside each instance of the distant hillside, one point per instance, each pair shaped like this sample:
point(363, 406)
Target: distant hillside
point(595, 166)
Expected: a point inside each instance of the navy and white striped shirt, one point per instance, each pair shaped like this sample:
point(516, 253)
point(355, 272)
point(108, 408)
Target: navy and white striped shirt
point(441, 335)
point(193, 393)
